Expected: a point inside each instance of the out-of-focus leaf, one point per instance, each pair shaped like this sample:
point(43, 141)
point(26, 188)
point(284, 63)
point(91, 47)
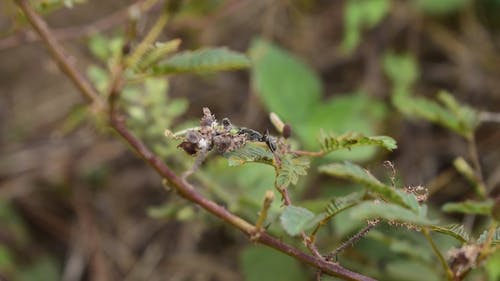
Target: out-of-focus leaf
point(44, 268)
point(77, 116)
point(251, 152)
point(388, 211)
point(164, 211)
point(341, 114)
point(291, 89)
point(286, 85)
point(442, 7)
point(157, 52)
point(493, 266)
point(98, 45)
point(402, 69)
point(411, 271)
point(350, 171)
point(291, 169)
point(466, 170)
point(470, 207)
point(456, 231)
point(6, 259)
point(331, 142)
point(401, 246)
point(495, 239)
point(260, 263)
point(296, 219)
point(204, 60)
point(99, 78)
point(359, 15)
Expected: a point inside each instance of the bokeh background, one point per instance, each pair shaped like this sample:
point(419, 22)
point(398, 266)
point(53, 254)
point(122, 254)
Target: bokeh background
point(76, 204)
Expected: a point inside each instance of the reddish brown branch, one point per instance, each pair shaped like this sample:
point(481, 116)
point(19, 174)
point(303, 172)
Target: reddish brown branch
point(183, 188)
point(68, 33)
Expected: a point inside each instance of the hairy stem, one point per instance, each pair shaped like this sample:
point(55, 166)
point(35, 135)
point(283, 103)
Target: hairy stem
point(351, 241)
point(442, 260)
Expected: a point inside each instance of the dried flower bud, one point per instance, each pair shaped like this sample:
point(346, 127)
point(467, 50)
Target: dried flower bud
point(287, 131)
point(193, 137)
point(496, 209)
point(189, 147)
point(126, 48)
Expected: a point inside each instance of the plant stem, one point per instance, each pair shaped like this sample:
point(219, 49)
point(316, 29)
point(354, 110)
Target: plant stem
point(351, 241)
point(57, 52)
point(184, 189)
point(268, 199)
point(153, 33)
point(442, 260)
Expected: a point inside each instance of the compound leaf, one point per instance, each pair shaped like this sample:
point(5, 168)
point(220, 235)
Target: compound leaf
point(331, 142)
point(388, 211)
point(291, 169)
point(496, 237)
point(348, 170)
point(203, 60)
point(251, 152)
point(456, 231)
point(469, 207)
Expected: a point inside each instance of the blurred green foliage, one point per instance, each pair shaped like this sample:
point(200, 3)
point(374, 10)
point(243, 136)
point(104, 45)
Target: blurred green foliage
point(259, 263)
point(291, 89)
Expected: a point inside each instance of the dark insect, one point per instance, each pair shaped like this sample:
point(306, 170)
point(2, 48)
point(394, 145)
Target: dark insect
point(189, 147)
point(253, 135)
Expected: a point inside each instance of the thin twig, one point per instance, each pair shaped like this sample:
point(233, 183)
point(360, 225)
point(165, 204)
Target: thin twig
point(351, 241)
point(68, 33)
point(183, 188)
point(57, 52)
point(442, 260)
point(308, 153)
point(486, 116)
point(268, 199)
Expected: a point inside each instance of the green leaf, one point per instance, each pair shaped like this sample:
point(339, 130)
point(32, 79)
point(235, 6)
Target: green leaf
point(388, 211)
point(456, 231)
point(203, 60)
point(496, 237)
point(251, 152)
point(341, 114)
point(286, 85)
point(43, 268)
point(340, 204)
point(98, 45)
point(493, 266)
point(331, 142)
point(402, 69)
point(291, 169)
point(350, 171)
point(409, 270)
point(296, 219)
point(442, 7)
point(470, 207)
point(260, 263)
point(466, 170)
point(359, 15)
point(400, 245)
point(293, 90)
point(157, 52)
